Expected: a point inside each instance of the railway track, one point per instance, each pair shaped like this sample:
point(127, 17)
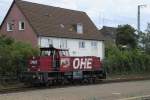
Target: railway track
point(29, 88)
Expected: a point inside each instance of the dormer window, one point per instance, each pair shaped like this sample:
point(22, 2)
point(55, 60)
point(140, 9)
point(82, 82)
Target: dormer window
point(21, 25)
point(10, 26)
point(79, 28)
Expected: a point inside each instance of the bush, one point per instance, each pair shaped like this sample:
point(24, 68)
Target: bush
point(126, 61)
point(13, 56)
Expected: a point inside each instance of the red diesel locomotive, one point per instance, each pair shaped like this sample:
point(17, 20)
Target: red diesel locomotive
point(55, 66)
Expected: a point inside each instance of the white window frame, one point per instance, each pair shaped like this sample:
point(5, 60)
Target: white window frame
point(20, 25)
point(79, 28)
point(81, 44)
point(50, 42)
point(94, 44)
point(63, 44)
point(8, 26)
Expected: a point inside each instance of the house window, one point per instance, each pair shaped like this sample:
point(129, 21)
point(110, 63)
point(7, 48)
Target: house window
point(10, 26)
point(81, 44)
point(50, 42)
point(63, 44)
point(21, 25)
point(79, 28)
point(94, 44)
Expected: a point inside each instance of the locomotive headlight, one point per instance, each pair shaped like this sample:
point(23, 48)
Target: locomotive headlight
point(65, 62)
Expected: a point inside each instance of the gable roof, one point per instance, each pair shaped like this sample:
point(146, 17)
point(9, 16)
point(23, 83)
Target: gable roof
point(52, 21)
point(108, 32)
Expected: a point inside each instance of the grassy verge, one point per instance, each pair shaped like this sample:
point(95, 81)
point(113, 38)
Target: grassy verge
point(128, 76)
point(11, 86)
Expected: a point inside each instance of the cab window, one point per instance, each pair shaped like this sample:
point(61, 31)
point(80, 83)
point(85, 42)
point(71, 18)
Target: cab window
point(47, 53)
point(64, 53)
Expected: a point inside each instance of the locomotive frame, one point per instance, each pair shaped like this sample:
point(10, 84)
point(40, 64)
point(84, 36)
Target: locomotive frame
point(56, 66)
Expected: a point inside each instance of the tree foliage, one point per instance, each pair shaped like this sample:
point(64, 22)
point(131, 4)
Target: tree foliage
point(14, 55)
point(126, 36)
point(147, 39)
point(126, 61)
point(144, 40)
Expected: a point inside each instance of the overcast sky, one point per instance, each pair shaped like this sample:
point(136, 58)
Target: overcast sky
point(102, 12)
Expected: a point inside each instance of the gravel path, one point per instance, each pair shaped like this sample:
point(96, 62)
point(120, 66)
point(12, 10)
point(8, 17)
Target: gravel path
point(113, 91)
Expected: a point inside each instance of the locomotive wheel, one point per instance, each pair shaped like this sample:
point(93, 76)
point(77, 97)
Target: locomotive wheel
point(85, 81)
point(90, 80)
point(93, 80)
point(49, 83)
point(64, 81)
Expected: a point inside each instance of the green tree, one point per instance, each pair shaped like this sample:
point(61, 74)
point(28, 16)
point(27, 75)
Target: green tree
point(14, 56)
point(126, 36)
point(144, 40)
point(126, 61)
point(147, 39)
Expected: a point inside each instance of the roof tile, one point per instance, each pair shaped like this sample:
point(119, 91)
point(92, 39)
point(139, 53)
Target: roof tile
point(46, 21)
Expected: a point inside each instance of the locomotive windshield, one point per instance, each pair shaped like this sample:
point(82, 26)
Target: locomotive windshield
point(52, 51)
point(47, 53)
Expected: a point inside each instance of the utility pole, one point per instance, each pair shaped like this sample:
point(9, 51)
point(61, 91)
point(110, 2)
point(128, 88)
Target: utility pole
point(139, 17)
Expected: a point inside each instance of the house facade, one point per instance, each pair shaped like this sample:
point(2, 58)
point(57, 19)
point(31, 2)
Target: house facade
point(43, 25)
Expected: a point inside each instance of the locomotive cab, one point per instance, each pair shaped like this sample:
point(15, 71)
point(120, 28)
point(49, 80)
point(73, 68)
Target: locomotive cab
point(48, 60)
point(54, 55)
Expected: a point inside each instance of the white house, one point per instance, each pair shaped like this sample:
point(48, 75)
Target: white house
point(42, 25)
point(77, 47)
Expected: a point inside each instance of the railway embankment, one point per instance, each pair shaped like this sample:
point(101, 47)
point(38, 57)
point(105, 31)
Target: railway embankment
point(19, 87)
